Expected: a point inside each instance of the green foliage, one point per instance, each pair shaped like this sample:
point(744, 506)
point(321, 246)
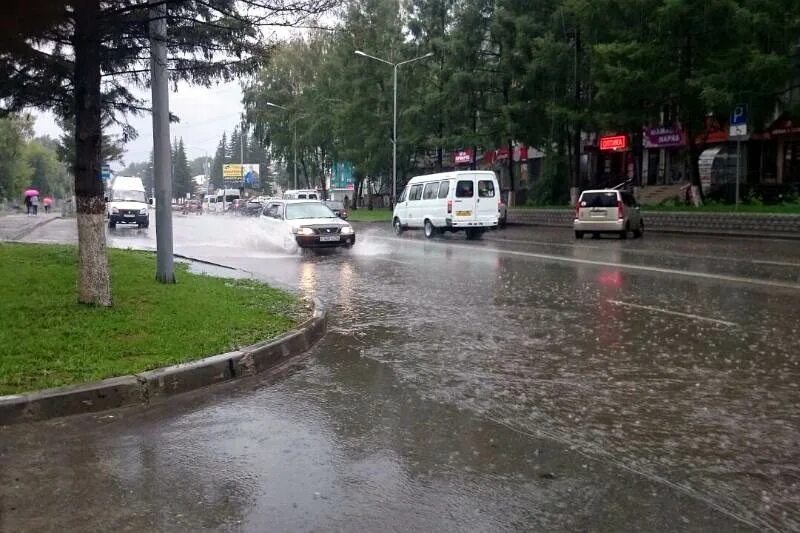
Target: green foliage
point(552, 188)
point(182, 175)
point(54, 341)
point(15, 169)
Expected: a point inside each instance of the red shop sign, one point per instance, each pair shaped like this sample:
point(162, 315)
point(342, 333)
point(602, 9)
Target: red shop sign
point(614, 142)
point(463, 156)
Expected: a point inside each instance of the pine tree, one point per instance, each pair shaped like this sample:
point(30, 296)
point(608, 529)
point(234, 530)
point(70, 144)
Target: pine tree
point(78, 58)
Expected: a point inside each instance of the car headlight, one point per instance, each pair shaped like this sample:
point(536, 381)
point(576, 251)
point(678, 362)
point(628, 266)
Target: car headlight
point(347, 230)
point(143, 211)
point(114, 210)
point(303, 231)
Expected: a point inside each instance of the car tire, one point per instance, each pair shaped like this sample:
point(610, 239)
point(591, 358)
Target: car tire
point(579, 235)
point(639, 232)
point(430, 229)
point(501, 223)
point(473, 234)
point(397, 226)
point(112, 225)
point(624, 233)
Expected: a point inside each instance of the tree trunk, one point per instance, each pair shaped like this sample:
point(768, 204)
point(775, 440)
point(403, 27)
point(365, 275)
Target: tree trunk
point(94, 284)
point(694, 169)
point(512, 194)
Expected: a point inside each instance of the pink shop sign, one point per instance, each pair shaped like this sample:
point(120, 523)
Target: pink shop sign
point(663, 137)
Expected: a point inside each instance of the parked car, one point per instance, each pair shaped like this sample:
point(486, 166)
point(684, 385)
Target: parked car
point(450, 201)
point(306, 223)
point(337, 208)
point(607, 211)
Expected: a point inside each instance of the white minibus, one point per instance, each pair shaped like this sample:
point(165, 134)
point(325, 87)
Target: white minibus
point(466, 201)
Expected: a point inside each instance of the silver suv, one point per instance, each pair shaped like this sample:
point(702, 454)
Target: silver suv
point(607, 211)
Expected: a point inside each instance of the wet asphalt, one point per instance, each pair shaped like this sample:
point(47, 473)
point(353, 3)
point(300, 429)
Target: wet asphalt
point(527, 381)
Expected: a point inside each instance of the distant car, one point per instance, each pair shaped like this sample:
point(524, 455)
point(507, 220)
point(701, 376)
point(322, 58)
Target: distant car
point(337, 208)
point(192, 206)
point(607, 211)
point(253, 208)
point(306, 223)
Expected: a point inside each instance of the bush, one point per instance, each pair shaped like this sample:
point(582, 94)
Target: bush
point(553, 187)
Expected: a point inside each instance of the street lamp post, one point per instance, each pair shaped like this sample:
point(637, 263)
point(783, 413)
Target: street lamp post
point(394, 113)
point(294, 141)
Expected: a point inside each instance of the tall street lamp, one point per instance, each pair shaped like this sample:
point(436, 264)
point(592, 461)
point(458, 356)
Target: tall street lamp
point(394, 120)
point(294, 141)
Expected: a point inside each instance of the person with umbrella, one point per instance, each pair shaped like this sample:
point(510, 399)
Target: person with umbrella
point(48, 202)
point(30, 194)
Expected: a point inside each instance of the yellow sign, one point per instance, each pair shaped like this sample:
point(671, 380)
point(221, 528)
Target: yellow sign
point(232, 171)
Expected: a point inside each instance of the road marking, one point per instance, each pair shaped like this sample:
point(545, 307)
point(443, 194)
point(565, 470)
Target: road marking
point(640, 268)
point(674, 313)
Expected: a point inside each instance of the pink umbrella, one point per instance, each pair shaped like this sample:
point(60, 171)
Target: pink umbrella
point(48, 200)
point(31, 192)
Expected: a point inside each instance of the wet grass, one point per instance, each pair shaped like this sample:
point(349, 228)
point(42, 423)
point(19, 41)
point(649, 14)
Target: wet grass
point(47, 339)
point(362, 214)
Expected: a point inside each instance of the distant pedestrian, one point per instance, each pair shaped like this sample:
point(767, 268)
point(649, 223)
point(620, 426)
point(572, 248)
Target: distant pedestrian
point(346, 202)
point(35, 205)
point(28, 205)
point(48, 202)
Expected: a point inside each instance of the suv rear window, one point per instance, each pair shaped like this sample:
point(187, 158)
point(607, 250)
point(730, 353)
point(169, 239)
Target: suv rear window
point(599, 199)
point(465, 189)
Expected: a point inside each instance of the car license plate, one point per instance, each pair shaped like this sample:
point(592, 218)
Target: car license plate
point(129, 216)
point(463, 213)
point(328, 238)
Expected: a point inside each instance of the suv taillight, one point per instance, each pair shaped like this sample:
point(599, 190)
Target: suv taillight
point(620, 210)
point(449, 206)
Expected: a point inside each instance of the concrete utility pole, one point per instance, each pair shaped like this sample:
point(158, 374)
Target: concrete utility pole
point(394, 112)
point(165, 267)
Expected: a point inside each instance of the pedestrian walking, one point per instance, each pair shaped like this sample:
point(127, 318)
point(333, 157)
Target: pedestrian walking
point(28, 205)
point(35, 205)
point(48, 203)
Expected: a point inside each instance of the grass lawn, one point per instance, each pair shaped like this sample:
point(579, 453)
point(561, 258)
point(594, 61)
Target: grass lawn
point(362, 214)
point(47, 339)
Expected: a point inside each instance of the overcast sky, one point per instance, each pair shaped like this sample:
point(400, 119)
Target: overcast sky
point(204, 114)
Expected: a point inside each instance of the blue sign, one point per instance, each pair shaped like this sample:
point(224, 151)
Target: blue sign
point(105, 172)
point(739, 115)
point(342, 175)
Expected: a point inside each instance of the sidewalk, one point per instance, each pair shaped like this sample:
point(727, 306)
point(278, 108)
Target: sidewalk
point(15, 227)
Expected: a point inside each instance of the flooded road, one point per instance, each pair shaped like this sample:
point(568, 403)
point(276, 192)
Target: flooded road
point(526, 381)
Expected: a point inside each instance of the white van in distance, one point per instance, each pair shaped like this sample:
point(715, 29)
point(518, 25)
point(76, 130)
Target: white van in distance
point(301, 194)
point(126, 202)
point(467, 200)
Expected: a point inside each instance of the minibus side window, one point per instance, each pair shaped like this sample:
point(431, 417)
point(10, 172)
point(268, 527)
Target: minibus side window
point(444, 188)
point(430, 190)
point(416, 192)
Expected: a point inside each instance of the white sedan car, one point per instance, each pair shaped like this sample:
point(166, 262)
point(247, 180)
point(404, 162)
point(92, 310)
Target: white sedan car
point(307, 223)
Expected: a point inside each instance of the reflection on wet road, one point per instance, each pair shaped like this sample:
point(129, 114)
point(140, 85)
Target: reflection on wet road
point(669, 361)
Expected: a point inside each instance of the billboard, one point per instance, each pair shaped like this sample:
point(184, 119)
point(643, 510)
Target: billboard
point(342, 177)
point(240, 176)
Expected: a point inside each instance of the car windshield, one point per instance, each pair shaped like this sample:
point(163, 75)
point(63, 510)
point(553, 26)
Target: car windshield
point(128, 196)
point(308, 210)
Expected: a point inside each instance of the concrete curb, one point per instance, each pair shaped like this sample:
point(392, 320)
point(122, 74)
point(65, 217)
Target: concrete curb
point(739, 225)
point(158, 385)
